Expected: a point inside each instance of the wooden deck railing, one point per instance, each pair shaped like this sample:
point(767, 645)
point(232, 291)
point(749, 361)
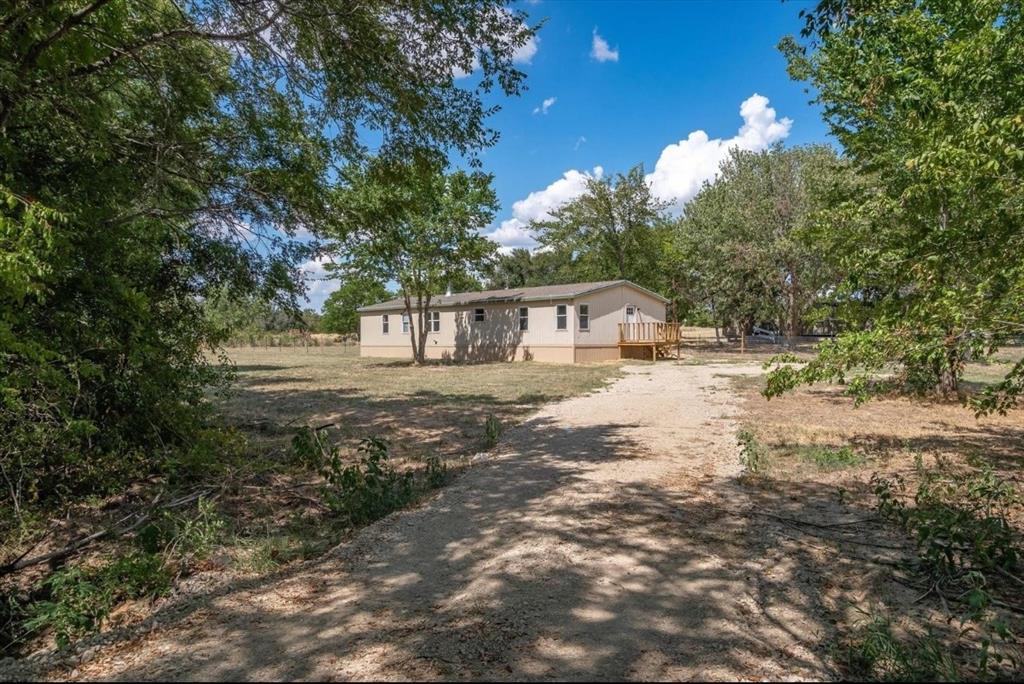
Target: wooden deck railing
point(649, 333)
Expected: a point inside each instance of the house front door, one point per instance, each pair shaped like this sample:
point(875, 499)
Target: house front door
point(630, 313)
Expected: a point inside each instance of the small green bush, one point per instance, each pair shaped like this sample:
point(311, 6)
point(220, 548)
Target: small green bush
point(873, 653)
point(753, 454)
point(492, 431)
point(436, 472)
point(80, 598)
point(184, 537)
point(360, 492)
point(961, 524)
point(965, 545)
point(212, 453)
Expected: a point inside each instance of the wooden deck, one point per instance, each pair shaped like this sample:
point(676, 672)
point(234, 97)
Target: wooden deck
point(657, 338)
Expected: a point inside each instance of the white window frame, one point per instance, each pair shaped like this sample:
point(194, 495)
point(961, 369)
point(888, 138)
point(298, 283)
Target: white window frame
point(524, 319)
point(434, 323)
point(479, 315)
point(405, 323)
point(583, 316)
point(561, 319)
point(385, 325)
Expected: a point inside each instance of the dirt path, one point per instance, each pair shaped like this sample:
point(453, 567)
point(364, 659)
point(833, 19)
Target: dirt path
point(597, 543)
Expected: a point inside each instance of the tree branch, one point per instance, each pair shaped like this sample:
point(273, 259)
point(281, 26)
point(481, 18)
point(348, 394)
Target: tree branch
point(171, 35)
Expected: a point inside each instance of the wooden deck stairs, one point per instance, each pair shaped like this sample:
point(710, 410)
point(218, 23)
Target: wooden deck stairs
point(653, 340)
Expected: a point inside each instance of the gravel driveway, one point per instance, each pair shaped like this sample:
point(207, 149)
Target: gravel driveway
point(599, 541)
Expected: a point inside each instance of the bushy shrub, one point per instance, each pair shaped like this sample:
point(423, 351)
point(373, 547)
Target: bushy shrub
point(961, 524)
point(436, 471)
point(965, 546)
point(753, 454)
point(183, 538)
point(492, 431)
point(874, 653)
point(359, 492)
point(80, 598)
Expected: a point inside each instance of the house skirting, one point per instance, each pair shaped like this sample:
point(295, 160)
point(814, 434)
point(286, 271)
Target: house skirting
point(549, 354)
point(595, 353)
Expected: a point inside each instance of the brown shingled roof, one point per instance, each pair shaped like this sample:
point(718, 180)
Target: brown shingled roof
point(515, 294)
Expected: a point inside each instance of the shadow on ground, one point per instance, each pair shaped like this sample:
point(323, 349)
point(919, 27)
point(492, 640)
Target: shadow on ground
point(423, 420)
point(538, 565)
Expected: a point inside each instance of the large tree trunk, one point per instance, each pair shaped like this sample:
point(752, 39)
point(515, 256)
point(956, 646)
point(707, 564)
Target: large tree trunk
point(421, 332)
point(714, 319)
point(424, 318)
point(951, 368)
point(412, 327)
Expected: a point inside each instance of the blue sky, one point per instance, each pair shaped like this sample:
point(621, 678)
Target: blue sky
point(637, 82)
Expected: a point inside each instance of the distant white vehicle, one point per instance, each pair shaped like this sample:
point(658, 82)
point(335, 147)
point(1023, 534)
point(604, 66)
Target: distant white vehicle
point(762, 333)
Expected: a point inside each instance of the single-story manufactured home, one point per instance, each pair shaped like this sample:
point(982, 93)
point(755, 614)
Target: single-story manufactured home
point(576, 322)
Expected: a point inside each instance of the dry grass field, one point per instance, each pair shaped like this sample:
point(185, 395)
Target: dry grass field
point(438, 409)
point(815, 444)
point(802, 534)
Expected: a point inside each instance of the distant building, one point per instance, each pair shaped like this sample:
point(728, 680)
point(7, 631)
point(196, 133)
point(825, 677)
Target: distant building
point(577, 322)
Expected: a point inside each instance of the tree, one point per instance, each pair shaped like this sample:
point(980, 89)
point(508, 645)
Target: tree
point(414, 224)
point(340, 314)
point(614, 230)
point(742, 250)
point(523, 268)
point(925, 97)
point(153, 154)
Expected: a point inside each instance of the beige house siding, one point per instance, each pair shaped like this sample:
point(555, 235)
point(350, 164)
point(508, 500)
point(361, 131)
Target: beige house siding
point(498, 338)
point(608, 309)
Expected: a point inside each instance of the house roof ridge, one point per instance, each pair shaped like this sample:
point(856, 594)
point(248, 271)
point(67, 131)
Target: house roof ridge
point(532, 293)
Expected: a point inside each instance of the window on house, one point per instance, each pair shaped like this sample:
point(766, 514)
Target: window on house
point(584, 317)
point(435, 321)
point(384, 325)
point(561, 317)
point(478, 315)
point(524, 318)
point(405, 322)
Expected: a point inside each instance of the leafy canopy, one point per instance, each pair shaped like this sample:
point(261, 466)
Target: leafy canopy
point(615, 229)
point(415, 224)
point(742, 251)
point(340, 315)
point(153, 155)
point(927, 99)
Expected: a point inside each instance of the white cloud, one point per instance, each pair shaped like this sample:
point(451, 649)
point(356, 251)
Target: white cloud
point(683, 167)
point(318, 283)
point(601, 51)
point(580, 141)
point(525, 52)
point(521, 55)
point(545, 106)
point(680, 171)
point(538, 205)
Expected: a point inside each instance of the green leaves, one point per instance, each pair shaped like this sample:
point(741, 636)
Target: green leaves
point(340, 314)
point(925, 99)
point(744, 248)
point(26, 239)
point(157, 156)
point(614, 230)
point(415, 224)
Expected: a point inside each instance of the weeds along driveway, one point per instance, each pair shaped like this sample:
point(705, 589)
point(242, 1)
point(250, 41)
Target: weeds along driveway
point(604, 539)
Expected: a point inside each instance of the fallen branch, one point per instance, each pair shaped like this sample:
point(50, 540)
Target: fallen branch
point(823, 526)
point(802, 524)
point(945, 596)
point(115, 530)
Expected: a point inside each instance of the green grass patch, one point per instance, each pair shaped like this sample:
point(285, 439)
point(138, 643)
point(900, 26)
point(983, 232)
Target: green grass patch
point(830, 458)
